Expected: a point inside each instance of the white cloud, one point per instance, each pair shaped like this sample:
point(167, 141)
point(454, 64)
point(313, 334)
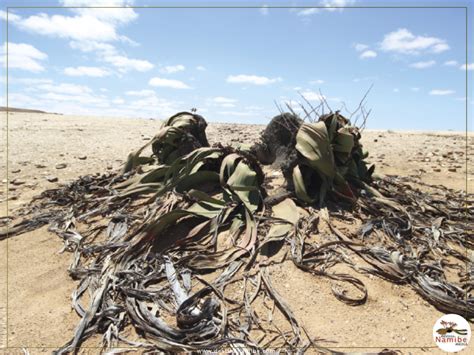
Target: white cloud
point(89, 30)
point(118, 101)
point(451, 63)
point(316, 82)
point(252, 79)
point(339, 4)
point(368, 54)
point(359, 47)
point(223, 100)
point(423, 65)
point(469, 66)
point(201, 68)
point(124, 64)
point(313, 96)
point(23, 56)
point(438, 92)
point(168, 83)
point(113, 15)
point(11, 16)
point(140, 93)
point(81, 28)
point(170, 69)
point(328, 5)
point(415, 89)
point(28, 81)
point(404, 42)
point(264, 10)
point(308, 12)
point(95, 72)
point(109, 54)
point(92, 46)
point(65, 88)
point(99, 24)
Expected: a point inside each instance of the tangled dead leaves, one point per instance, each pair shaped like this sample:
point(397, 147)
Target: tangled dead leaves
point(173, 253)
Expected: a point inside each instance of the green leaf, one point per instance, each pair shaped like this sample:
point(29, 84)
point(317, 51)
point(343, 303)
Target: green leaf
point(313, 144)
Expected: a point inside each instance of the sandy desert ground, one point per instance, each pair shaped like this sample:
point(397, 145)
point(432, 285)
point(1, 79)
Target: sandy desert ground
point(52, 147)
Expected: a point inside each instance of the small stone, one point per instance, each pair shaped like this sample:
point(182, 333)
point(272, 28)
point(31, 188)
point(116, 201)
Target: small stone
point(109, 167)
point(82, 157)
point(427, 160)
point(40, 166)
point(13, 198)
point(146, 138)
point(17, 182)
point(51, 178)
point(437, 170)
point(61, 166)
point(16, 171)
point(453, 170)
point(376, 140)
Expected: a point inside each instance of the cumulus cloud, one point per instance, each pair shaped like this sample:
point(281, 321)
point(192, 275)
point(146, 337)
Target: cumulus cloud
point(23, 56)
point(221, 101)
point(451, 63)
point(368, 54)
point(264, 10)
point(438, 92)
point(404, 42)
point(140, 92)
point(89, 30)
point(201, 68)
point(469, 66)
point(326, 5)
point(423, 65)
point(11, 16)
point(170, 69)
point(85, 24)
point(65, 88)
point(252, 79)
point(168, 83)
point(124, 64)
point(359, 47)
point(95, 72)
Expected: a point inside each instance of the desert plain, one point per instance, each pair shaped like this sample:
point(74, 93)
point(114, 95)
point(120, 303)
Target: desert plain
point(46, 150)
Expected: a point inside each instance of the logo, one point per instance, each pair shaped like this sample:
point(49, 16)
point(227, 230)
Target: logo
point(451, 333)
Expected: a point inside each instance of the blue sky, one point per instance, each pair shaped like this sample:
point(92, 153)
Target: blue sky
point(234, 64)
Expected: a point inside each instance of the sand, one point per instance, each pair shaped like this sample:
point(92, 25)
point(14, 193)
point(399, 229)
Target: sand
point(49, 146)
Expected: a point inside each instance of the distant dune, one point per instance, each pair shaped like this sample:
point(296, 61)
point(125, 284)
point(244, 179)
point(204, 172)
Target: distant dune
point(14, 109)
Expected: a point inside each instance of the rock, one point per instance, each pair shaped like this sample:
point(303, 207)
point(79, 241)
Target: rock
point(61, 166)
point(16, 171)
point(376, 140)
point(51, 178)
point(109, 167)
point(437, 170)
point(82, 157)
point(453, 170)
point(17, 182)
point(40, 166)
